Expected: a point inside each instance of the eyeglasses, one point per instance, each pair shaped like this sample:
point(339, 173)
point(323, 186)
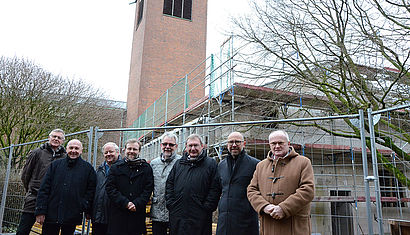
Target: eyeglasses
point(56, 137)
point(237, 142)
point(168, 144)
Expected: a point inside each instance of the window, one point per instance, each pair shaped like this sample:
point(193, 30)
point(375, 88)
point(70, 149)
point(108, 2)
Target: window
point(390, 187)
point(140, 11)
point(178, 8)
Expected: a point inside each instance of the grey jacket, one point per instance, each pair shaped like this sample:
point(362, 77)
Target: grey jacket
point(161, 171)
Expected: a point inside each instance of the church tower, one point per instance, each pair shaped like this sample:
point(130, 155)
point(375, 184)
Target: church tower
point(169, 41)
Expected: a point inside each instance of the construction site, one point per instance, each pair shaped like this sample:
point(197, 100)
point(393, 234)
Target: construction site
point(256, 107)
point(361, 180)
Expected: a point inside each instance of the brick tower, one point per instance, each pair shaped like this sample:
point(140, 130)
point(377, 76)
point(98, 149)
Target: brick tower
point(169, 41)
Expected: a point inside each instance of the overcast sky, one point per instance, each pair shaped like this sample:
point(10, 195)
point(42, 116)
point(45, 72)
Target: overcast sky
point(88, 39)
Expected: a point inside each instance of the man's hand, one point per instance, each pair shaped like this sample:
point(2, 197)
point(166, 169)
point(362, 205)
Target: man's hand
point(277, 212)
point(268, 209)
point(131, 206)
point(40, 219)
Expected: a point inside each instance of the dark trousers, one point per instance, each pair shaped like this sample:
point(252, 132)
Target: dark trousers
point(54, 229)
point(99, 229)
point(160, 228)
point(27, 221)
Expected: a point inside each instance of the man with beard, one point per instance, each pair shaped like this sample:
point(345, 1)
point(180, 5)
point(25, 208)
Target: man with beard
point(192, 192)
point(101, 202)
point(129, 187)
point(33, 172)
point(66, 192)
point(161, 166)
point(235, 213)
point(282, 188)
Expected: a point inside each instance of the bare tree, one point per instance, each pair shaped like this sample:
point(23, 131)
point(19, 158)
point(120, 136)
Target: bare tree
point(354, 53)
point(34, 101)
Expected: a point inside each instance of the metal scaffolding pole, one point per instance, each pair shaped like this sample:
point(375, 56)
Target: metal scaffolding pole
point(366, 174)
point(6, 184)
point(375, 172)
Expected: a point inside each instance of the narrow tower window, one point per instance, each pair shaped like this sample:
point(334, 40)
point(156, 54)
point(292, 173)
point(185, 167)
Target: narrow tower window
point(178, 8)
point(140, 11)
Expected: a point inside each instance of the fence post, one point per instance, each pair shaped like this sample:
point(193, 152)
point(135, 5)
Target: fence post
point(365, 173)
point(97, 136)
point(375, 171)
point(90, 144)
point(6, 184)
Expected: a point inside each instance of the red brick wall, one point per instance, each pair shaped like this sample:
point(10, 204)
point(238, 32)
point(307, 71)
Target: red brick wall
point(164, 49)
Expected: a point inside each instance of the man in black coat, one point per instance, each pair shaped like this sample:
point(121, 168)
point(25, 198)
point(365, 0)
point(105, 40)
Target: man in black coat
point(101, 202)
point(33, 172)
point(235, 213)
point(192, 192)
point(129, 187)
point(66, 192)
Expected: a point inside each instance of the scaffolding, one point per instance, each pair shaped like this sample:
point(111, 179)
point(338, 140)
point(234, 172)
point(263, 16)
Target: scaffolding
point(347, 189)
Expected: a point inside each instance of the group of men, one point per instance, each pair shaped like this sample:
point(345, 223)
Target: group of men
point(184, 190)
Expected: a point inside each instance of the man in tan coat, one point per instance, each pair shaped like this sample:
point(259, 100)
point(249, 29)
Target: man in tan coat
point(282, 188)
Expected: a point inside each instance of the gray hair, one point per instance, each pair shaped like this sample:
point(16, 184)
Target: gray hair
point(170, 135)
point(282, 132)
point(195, 136)
point(59, 131)
point(117, 149)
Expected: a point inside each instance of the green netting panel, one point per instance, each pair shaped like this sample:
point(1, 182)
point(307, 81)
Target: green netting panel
point(160, 109)
point(176, 99)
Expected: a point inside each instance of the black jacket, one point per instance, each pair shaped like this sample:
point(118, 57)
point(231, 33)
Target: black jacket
point(192, 195)
point(125, 184)
point(235, 213)
point(101, 201)
point(34, 170)
point(66, 191)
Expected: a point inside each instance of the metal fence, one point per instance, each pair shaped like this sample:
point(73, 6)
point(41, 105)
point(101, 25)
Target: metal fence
point(356, 193)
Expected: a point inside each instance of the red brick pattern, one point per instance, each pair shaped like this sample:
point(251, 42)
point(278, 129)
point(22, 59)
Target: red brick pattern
point(164, 49)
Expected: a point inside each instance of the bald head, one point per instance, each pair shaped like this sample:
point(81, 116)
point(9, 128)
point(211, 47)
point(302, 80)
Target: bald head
point(74, 148)
point(236, 143)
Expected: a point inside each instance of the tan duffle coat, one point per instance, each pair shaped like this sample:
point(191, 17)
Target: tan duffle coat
point(291, 179)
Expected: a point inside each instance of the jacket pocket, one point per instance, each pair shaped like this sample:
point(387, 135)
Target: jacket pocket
point(34, 186)
point(198, 201)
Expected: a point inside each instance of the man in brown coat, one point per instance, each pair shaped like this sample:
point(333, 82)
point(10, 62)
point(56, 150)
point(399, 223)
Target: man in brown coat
point(282, 188)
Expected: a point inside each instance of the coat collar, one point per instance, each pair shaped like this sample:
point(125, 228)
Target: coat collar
point(292, 153)
point(197, 161)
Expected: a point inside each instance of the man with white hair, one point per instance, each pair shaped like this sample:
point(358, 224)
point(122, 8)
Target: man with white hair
point(161, 167)
point(282, 188)
point(111, 153)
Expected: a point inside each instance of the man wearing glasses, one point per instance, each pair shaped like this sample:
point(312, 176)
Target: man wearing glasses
point(161, 166)
point(282, 188)
point(33, 172)
point(235, 213)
